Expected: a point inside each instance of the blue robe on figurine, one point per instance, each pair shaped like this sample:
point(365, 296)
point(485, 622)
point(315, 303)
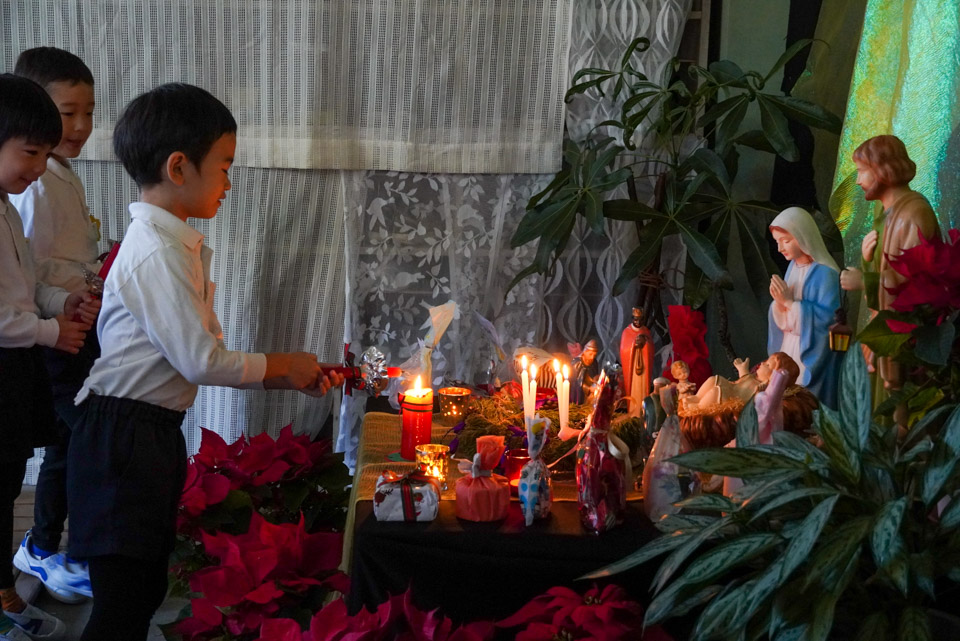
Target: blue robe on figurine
point(819, 300)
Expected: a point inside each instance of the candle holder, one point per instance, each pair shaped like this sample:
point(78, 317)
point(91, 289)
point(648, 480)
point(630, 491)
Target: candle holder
point(432, 460)
point(416, 419)
point(453, 404)
point(514, 460)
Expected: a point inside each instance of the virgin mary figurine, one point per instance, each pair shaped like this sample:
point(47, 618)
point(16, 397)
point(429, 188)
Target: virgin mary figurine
point(804, 302)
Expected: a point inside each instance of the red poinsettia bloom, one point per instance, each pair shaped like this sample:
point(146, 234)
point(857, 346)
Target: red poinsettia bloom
point(687, 331)
point(202, 489)
point(900, 327)
point(281, 630)
point(932, 273)
point(607, 614)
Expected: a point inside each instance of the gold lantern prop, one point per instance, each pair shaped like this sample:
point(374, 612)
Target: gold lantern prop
point(840, 332)
point(453, 404)
point(432, 459)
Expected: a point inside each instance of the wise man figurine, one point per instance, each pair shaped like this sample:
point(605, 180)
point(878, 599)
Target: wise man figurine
point(636, 356)
point(884, 172)
point(584, 371)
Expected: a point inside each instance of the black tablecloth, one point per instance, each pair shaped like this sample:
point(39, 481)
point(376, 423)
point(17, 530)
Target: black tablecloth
point(488, 570)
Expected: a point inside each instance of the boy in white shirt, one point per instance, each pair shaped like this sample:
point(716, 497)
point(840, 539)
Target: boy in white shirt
point(63, 239)
point(29, 129)
point(160, 339)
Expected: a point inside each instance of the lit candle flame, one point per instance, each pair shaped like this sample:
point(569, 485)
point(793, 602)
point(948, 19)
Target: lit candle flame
point(556, 365)
point(566, 372)
point(533, 372)
point(523, 362)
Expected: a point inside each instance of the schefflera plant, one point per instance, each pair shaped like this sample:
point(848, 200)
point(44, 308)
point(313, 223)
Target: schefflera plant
point(855, 539)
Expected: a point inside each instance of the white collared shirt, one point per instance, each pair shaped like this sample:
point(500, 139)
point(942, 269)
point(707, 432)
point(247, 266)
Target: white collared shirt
point(159, 336)
point(23, 299)
point(57, 221)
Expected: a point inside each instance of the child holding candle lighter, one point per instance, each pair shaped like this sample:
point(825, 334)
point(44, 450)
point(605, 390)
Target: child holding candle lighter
point(160, 339)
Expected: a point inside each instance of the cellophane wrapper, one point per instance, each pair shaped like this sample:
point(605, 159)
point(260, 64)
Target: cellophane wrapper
point(389, 496)
point(534, 489)
point(482, 495)
point(601, 476)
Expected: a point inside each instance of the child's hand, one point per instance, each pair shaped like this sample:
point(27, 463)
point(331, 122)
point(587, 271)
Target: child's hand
point(83, 308)
point(71, 335)
point(325, 382)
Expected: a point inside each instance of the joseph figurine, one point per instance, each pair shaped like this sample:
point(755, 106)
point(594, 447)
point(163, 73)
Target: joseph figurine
point(636, 356)
point(884, 171)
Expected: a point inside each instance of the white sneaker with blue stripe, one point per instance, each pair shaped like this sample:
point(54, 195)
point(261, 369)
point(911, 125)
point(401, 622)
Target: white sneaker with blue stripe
point(66, 580)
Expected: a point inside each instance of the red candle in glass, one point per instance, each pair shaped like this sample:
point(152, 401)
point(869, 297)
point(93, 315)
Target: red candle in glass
point(513, 463)
point(416, 416)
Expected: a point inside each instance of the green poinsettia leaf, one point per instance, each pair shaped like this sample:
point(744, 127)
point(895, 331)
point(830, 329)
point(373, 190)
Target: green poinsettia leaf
point(878, 336)
point(934, 342)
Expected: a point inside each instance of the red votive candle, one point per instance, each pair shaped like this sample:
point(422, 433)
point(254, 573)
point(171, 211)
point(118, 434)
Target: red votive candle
point(416, 416)
point(513, 463)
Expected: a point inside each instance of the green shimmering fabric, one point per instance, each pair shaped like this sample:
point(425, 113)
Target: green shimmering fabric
point(906, 82)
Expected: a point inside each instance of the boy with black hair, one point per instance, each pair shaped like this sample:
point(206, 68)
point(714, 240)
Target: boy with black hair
point(160, 339)
point(63, 238)
point(31, 314)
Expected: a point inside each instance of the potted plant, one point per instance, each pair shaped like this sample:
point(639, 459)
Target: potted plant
point(856, 539)
point(685, 136)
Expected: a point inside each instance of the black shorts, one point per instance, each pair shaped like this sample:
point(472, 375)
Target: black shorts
point(126, 467)
point(27, 419)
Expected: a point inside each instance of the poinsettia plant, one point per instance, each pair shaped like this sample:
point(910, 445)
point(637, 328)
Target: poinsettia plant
point(259, 533)
point(920, 330)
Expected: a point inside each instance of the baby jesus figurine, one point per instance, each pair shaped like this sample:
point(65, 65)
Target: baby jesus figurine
point(709, 417)
point(718, 389)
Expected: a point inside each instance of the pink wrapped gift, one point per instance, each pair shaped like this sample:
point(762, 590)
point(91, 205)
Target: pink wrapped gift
point(481, 494)
point(601, 467)
point(409, 497)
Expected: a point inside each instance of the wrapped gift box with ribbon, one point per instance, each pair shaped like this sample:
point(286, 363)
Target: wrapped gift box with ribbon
point(410, 497)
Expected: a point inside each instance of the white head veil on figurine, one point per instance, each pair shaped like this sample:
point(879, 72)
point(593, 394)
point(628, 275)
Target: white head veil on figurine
point(804, 302)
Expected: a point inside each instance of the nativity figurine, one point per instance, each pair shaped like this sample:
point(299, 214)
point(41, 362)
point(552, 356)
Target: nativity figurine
point(709, 417)
point(636, 358)
point(804, 304)
point(584, 372)
point(884, 172)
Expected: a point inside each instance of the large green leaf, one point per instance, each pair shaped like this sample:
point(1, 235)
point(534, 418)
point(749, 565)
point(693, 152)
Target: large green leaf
point(739, 462)
point(720, 619)
point(727, 555)
point(632, 211)
point(791, 441)
point(776, 129)
point(855, 399)
point(946, 453)
point(706, 161)
point(728, 73)
point(822, 617)
point(756, 491)
point(878, 336)
point(787, 56)
point(656, 547)
point(804, 539)
point(679, 556)
point(729, 127)
point(913, 624)
point(648, 248)
point(843, 457)
point(792, 495)
point(806, 112)
point(875, 627)
point(886, 540)
point(708, 503)
point(951, 516)
point(593, 210)
point(919, 430)
point(683, 523)
point(829, 564)
point(748, 427)
point(539, 222)
point(934, 342)
point(757, 263)
point(704, 254)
